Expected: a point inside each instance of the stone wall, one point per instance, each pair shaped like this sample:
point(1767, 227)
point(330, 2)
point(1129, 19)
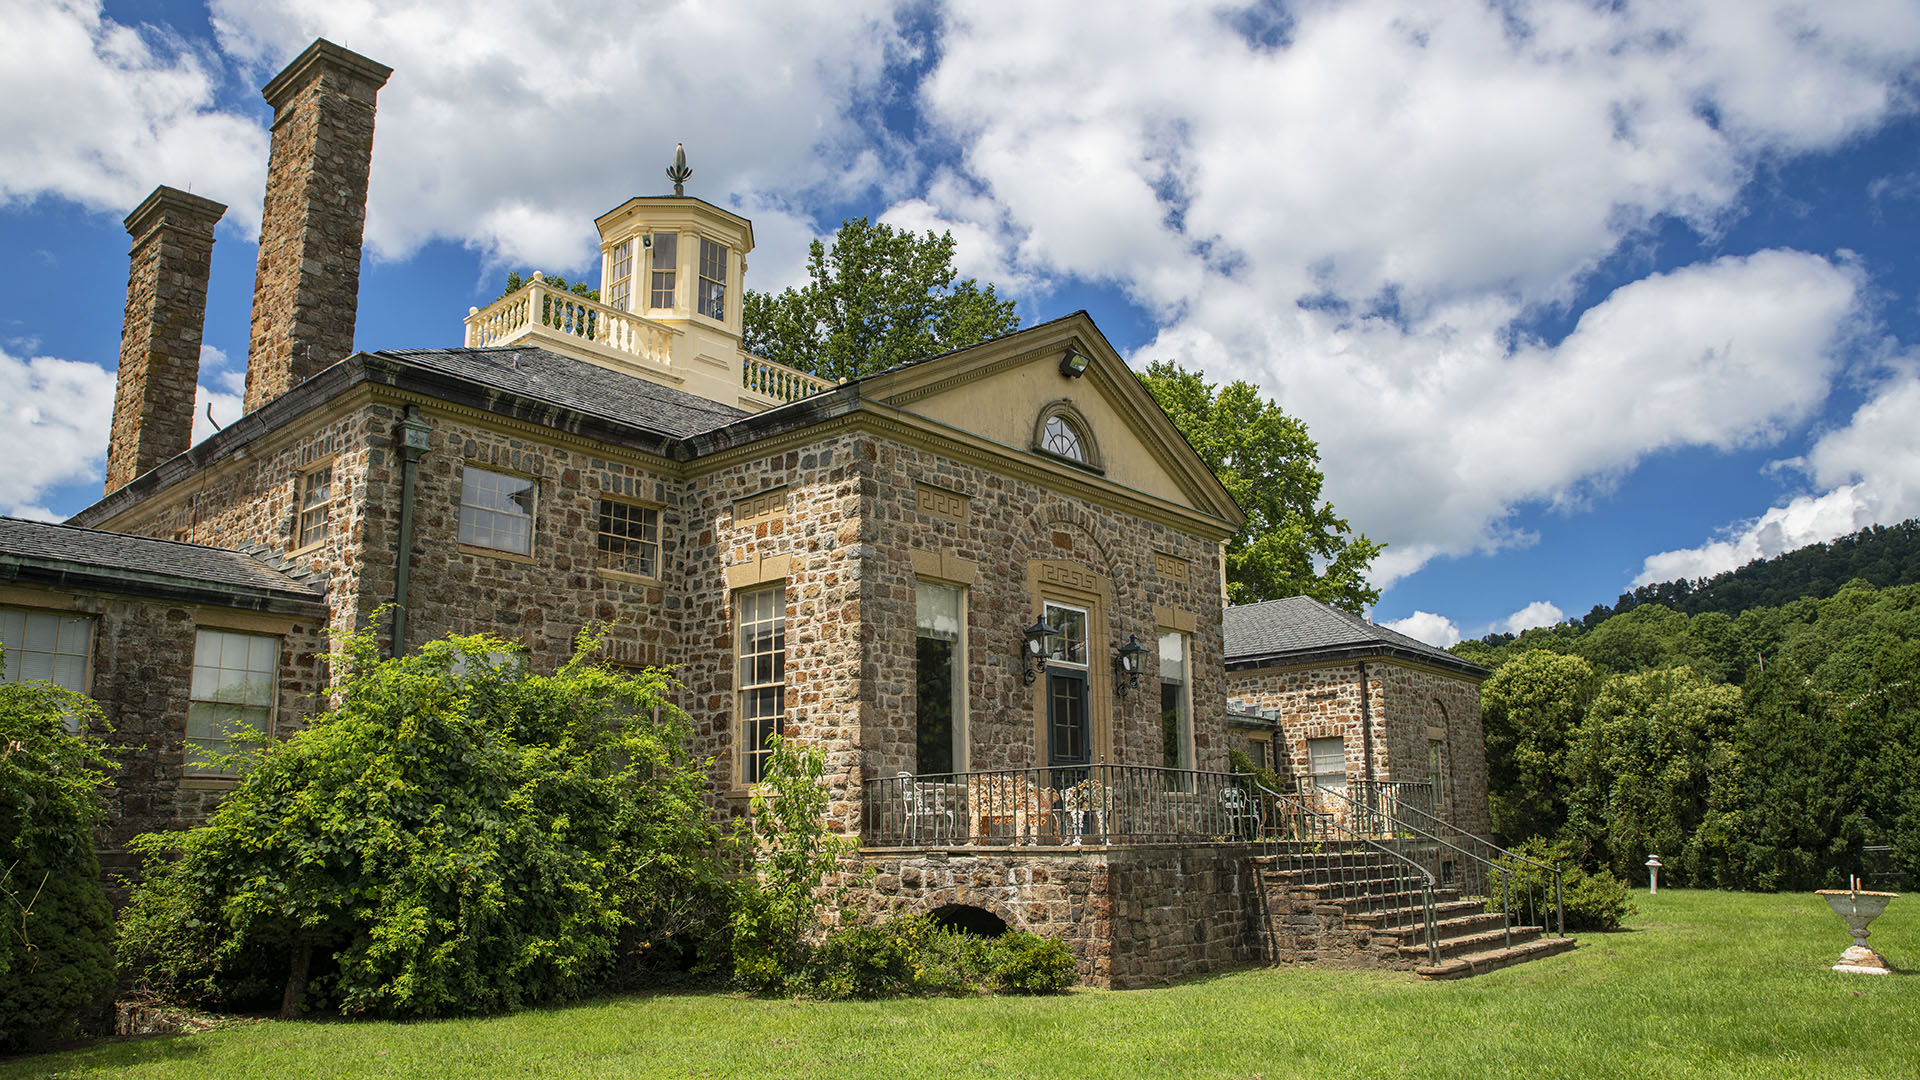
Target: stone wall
point(1133, 916)
point(1423, 702)
point(1319, 703)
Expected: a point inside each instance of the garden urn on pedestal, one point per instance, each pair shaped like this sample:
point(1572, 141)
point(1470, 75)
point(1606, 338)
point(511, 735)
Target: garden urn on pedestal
point(1857, 907)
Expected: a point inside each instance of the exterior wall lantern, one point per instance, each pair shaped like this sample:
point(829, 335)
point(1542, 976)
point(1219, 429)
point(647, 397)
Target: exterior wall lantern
point(1073, 365)
point(1039, 638)
point(1126, 663)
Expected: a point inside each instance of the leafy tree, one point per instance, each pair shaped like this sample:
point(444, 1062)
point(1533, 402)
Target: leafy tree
point(878, 297)
point(457, 835)
point(1530, 710)
point(553, 281)
point(792, 853)
point(55, 928)
point(1293, 543)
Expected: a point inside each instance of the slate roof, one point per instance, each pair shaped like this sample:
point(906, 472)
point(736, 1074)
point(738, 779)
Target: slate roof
point(40, 551)
point(578, 385)
point(1300, 629)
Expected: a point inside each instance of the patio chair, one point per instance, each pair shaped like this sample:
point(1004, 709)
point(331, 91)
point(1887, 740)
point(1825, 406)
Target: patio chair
point(927, 802)
point(1242, 812)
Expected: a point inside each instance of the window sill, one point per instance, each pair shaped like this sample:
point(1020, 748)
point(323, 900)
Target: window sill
point(309, 549)
point(496, 553)
point(206, 782)
point(623, 575)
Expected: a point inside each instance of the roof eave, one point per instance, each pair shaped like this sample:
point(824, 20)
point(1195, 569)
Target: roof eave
point(1334, 654)
point(62, 574)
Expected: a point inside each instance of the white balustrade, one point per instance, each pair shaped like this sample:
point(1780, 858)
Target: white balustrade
point(778, 381)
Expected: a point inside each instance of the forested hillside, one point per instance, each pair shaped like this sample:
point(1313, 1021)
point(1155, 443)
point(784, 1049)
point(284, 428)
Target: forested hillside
point(1762, 750)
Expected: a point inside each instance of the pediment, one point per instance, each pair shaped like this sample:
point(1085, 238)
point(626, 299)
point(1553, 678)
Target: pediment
point(1002, 390)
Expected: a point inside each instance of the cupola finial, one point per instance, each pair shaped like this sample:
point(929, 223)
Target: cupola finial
point(678, 171)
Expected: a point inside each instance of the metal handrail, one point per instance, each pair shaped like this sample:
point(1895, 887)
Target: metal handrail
point(1391, 823)
point(1332, 870)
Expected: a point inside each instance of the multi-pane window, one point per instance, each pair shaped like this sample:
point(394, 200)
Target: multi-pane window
point(1257, 752)
point(713, 279)
point(619, 275)
point(1070, 735)
point(1327, 760)
point(231, 707)
point(1069, 646)
point(761, 646)
point(629, 538)
point(496, 510)
point(315, 491)
point(1176, 726)
point(1437, 771)
point(1062, 438)
point(666, 260)
point(939, 678)
point(46, 646)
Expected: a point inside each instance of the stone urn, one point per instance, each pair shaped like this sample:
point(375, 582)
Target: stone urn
point(1857, 908)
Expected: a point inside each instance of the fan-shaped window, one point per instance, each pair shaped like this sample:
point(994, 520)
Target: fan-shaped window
point(1062, 438)
point(1060, 431)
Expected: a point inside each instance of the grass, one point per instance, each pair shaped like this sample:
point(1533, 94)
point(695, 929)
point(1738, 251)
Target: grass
point(1700, 984)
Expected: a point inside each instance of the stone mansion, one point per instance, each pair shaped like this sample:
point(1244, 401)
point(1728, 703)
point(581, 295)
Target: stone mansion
point(988, 584)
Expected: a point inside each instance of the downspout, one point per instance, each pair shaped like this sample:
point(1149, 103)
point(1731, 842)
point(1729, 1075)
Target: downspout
point(414, 434)
point(1366, 733)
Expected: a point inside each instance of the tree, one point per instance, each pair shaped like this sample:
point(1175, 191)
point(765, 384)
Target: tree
point(878, 297)
point(1293, 544)
point(1530, 710)
point(54, 922)
point(553, 281)
point(457, 835)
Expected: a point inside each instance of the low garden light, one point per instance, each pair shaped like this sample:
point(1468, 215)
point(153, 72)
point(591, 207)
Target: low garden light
point(1653, 875)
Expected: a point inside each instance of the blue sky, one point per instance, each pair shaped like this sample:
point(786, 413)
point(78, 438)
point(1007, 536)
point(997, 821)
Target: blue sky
point(1572, 294)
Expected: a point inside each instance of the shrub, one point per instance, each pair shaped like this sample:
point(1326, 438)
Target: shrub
point(55, 927)
point(458, 835)
point(792, 851)
point(1593, 901)
point(870, 960)
point(1026, 963)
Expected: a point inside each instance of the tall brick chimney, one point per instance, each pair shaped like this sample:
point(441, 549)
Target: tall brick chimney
point(307, 289)
point(160, 338)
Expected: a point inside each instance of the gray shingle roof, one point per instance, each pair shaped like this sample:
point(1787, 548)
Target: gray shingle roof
point(576, 384)
point(1300, 627)
point(30, 546)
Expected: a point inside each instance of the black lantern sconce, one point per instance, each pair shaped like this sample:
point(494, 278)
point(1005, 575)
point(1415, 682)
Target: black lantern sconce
point(1039, 638)
point(1126, 664)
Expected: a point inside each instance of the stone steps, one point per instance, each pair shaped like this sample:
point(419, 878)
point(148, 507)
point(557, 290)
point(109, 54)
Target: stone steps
point(1460, 967)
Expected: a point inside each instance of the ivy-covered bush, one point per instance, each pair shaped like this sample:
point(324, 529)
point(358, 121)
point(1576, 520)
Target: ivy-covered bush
point(1594, 901)
point(458, 835)
point(913, 955)
point(55, 928)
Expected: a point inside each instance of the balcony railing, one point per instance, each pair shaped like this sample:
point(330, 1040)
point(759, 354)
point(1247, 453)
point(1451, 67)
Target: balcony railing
point(539, 311)
point(1066, 805)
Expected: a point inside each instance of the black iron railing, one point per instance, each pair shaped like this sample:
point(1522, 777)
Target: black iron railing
point(1342, 863)
point(1476, 866)
point(1065, 805)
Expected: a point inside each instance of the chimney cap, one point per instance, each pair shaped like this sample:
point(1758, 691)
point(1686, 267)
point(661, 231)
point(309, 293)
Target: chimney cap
point(189, 212)
point(323, 53)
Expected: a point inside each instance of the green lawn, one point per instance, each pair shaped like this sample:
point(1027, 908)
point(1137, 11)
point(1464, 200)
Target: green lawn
point(1701, 984)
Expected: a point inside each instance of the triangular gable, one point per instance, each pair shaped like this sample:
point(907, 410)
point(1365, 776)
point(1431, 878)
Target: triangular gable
point(998, 390)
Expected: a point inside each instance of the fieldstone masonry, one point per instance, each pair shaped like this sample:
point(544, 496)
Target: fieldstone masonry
point(170, 262)
point(306, 291)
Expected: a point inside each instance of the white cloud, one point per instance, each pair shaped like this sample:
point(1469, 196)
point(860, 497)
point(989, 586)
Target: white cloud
point(509, 129)
point(1436, 630)
point(1538, 613)
point(1425, 178)
point(101, 113)
point(1867, 471)
point(56, 413)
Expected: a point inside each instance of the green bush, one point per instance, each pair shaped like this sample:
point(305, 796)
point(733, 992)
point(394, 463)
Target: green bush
point(1026, 963)
point(869, 960)
point(55, 931)
point(458, 835)
point(791, 851)
point(1593, 901)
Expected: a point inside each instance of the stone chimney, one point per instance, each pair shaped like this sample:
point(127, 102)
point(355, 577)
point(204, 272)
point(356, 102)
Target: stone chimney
point(160, 338)
point(307, 289)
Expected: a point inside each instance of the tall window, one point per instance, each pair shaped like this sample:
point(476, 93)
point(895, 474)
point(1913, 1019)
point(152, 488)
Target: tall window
point(939, 678)
point(1070, 734)
point(231, 710)
point(619, 275)
point(713, 279)
point(496, 510)
point(1328, 758)
point(761, 646)
point(316, 488)
point(666, 260)
point(43, 645)
point(1176, 726)
point(1437, 772)
point(629, 538)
